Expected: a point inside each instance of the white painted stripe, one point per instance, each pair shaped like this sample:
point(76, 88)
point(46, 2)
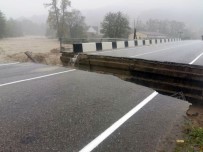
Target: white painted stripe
point(196, 59)
point(117, 124)
point(103, 52)
point(152, 52)
point(119, 50)
point(160, 50)
point(89, 47)
point(7, 64)
point(40, 77)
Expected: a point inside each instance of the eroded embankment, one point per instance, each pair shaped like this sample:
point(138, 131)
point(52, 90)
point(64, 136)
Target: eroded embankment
point(49, 58)
point(180, 80)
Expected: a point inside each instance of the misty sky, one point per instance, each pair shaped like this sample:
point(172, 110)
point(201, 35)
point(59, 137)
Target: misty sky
point(179, 9)
point(18, 8)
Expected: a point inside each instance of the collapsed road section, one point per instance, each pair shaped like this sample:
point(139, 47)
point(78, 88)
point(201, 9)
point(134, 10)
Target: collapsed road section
point(165, 77)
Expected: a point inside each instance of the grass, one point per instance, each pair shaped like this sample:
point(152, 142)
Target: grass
point(193, 141)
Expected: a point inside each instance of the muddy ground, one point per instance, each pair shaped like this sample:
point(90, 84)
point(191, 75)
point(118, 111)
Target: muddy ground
point(45, 50)
point(195, 113)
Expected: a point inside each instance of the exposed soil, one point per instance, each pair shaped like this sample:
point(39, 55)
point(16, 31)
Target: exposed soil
point(45, 51)
point(168, 143)
point(195, 113)
point(44, 58)
point(177, 140)
point(32, 43)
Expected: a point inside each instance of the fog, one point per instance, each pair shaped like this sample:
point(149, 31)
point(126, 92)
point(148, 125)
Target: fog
point(187, 11)
point(134, 8)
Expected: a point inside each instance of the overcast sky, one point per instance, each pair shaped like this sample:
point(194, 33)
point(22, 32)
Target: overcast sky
point(94, 10)
point(18, 8)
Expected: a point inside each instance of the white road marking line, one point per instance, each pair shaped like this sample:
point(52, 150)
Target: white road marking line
point(117, 124)
point(117, 50)
point(152, 52)
point(123, 49)
point(40, 77)
point(196, 59)
point(7, 64)
point(160, 50)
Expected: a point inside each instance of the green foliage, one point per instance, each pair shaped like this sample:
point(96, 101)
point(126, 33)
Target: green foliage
point(196, 137)
point(53, 18)
point(115, 25)
point(169, 28)
point(75, 22)
point(193, 139)
point(13, 28)
point(69, 24)
point(9, 28)
point(57, 14)
point(30, 28)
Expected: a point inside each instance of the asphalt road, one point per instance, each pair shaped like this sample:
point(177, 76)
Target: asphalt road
point(181, 52)
point(45, 108)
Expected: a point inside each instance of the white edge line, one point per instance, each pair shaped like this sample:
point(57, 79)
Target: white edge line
point(151, 52)
point(117, 124)
point(6, 64)
point(161, 50)
point(117, 50)
point(123, 49)
point(40, 77)
point(196, 59)
point(98, 140)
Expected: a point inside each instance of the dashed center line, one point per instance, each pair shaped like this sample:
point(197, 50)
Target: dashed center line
point(35, 78)
point(160, 50)
point(117, 50)
point(98, 140)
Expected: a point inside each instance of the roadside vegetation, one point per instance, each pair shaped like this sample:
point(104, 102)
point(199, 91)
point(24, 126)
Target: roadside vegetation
point(170, 28)
point(10, 28)
point(193, 138)
point(64, 21)
point(115, 25)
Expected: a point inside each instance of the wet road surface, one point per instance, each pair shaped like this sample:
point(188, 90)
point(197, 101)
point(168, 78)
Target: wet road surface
point(46, 108)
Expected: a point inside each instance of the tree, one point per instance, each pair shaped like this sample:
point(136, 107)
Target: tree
point(66, 23)
point(57, 15)
point(2, 25)
point(169, 28)
point(115, 25)
point(76, 24)
point(31, 28)
point(13, 28)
